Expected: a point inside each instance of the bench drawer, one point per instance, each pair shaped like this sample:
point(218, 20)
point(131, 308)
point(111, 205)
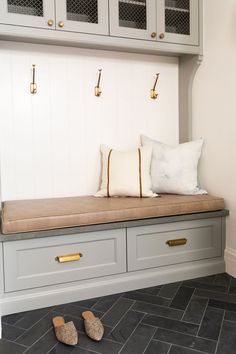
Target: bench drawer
point(196, 240)
point(33, 263)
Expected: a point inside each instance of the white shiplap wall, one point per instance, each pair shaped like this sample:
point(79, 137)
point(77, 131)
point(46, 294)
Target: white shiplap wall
point(50, 141)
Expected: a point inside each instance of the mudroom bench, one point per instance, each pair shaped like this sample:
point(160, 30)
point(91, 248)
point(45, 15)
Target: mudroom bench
point(61, 250)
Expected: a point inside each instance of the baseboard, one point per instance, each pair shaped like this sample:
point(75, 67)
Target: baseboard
point(230, 260)
point(109, 285)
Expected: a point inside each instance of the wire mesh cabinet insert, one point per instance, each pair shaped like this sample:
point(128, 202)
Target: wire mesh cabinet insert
point(133, 18)
point(177, 21)
point(88, 16)
point(32, 13)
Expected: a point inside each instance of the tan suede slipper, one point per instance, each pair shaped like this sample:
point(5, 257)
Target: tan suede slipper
point(65, 332)
point(93, 326)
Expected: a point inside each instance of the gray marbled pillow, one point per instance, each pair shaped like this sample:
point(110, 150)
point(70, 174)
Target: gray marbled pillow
point(174, 169)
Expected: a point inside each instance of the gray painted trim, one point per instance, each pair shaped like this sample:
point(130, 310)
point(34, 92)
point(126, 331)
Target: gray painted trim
point(43, 297)
point(188, 66)
point(84, 40)
point(111, 226)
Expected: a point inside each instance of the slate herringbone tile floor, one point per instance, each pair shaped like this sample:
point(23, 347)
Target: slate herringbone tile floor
point(190, 317)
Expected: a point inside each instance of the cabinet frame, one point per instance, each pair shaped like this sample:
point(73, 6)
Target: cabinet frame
point(102, 27)
point(28, 20)
point(118, 31)
point(192, 38)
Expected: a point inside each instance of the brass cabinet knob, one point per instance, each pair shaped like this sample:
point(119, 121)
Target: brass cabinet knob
point(162, 35)
point(61, 24)
point(153, 35)
point(50, 23)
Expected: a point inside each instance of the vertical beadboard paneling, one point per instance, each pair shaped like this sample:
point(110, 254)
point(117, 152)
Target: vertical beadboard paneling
point(50, 141)
point(41, 130)
point(76, 118)
point(6, 123)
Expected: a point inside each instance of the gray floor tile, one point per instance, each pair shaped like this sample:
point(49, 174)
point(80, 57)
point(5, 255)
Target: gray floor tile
point(156, 347)
point(157, 310)
point(195, 310)
point(222, 279)
point(222, 305)
point(152, 291)
point(10, 347)
point(185, 340)
point(157, 320)
point(169, 290)
point(126, 326)
point(10, 332)
point(152, 299)
point(138, 340)
point(105, 303)
point(232, 289)
point(215, 295)
point(61, 349)
point(182, 298)
point(211, 324)
point(13, 319)
point(31, 317)
point(168, 323)
point(104, 347)
point(205, 280)
point(211, 287)
point(180, 350)
point(82, 351)
point(86, 303)
point(34, 333)
point(44, 344)
point(230, 316)
point(227, 342)
point(113, 316)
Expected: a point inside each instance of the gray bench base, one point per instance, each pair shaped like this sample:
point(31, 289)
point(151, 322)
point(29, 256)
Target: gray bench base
point(28, 296)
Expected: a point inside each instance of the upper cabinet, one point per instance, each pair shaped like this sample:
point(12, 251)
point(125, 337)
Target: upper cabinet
point(133, 19)
point(89, 16)
point(177, 21)
point(173, 21)
point(170, 26)
point(34, 13)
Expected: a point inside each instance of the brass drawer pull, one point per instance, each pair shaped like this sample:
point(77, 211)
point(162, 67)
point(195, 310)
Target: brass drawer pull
point(69, 257)
point(178, 242)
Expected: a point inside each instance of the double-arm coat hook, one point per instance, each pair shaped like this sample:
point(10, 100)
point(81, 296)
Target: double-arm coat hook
point(97, 89)
point(33, 85)
point(153, 93)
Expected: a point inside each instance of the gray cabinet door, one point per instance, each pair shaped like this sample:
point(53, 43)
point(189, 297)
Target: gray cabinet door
point(34, 263)
point(32, 13)
point(133, 19)
point(82, 16)
point(173, 243)
point(177, 21)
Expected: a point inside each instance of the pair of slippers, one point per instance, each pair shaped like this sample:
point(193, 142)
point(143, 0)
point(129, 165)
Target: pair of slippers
point(66, 332)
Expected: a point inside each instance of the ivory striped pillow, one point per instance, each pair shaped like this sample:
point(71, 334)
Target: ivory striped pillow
point(126, 173)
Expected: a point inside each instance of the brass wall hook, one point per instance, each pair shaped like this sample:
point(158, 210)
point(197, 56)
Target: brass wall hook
point(33, 85)
point(153, 93)
point(97, 89)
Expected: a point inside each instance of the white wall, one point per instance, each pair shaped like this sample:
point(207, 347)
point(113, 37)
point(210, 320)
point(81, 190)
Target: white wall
point(214, 111)
point(50, 141)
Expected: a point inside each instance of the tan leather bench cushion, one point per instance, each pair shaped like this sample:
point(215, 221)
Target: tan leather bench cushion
point(44, 214)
